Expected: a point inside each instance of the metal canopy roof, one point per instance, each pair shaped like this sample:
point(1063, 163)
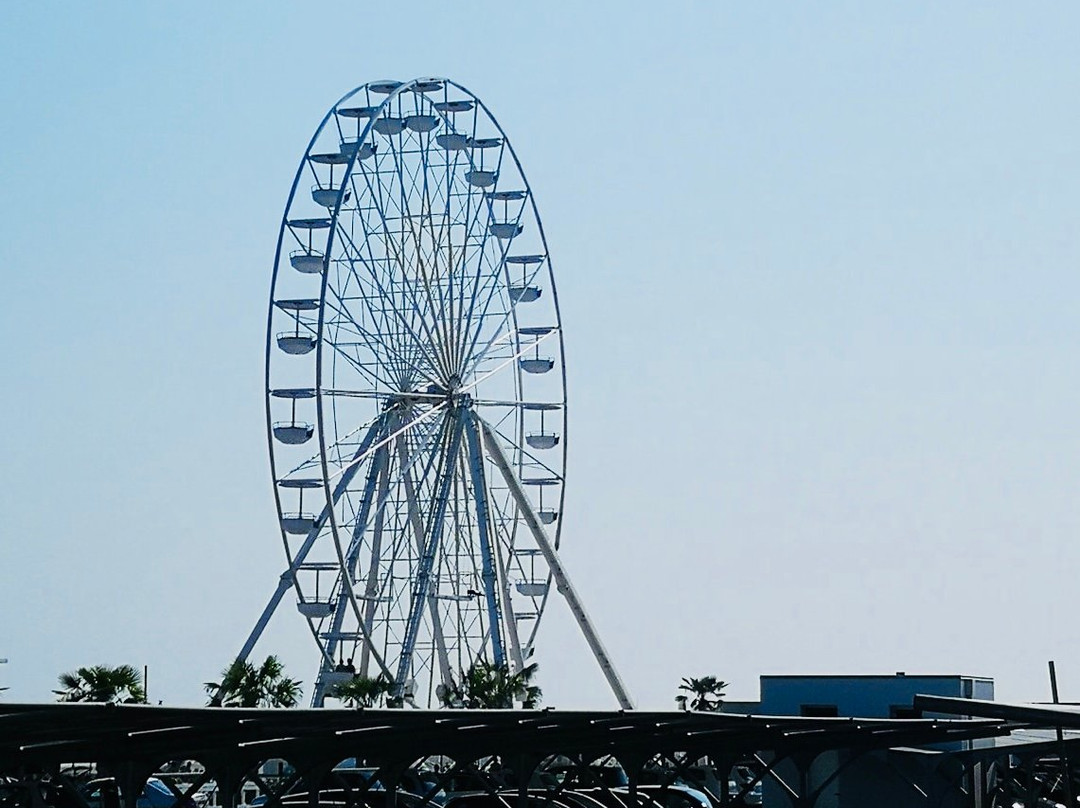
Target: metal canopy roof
point(51, 733)
point(1039, 715)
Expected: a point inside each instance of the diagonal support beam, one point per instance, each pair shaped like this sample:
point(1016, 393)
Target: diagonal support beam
point(517, 661)
point(287, 579)
point(431, 548)
point(417, 524)
point(562, 580)
point(346, 596)
point(371, 586)
point(483, 524)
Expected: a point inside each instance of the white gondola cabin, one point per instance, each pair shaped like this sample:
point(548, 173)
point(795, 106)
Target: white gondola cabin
point(452, 141)
point(422, 123)
point(315, 609)
point(293, 433)
point(524, 294)
point(362, 149)
point(308, 262)
point(327, 196)
point(297, 524)
point(480, 178)
point(505, 230)
point(536, 364)
point(296, 344)
point(542, 440)
point(532, 589)
point(388, 126)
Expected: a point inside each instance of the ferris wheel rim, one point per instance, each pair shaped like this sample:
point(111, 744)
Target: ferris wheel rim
point(321, 391)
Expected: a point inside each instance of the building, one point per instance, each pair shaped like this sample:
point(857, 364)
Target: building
point(888, 696)
point(885, 778)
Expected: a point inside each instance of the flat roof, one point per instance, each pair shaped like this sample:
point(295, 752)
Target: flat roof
point(897, 675)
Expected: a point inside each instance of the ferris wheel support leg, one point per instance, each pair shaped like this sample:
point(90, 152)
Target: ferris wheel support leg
point(517, 660)
point(418, 532)
point(346, 596)
point(431, 547)
point(287, 579)
point(562, 580)
point(483, 523)
point(371, 586)
point(285, 583)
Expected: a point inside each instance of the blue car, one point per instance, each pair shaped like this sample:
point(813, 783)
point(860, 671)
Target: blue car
point(155, 794)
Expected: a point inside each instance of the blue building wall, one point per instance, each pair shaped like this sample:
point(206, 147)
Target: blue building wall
point(862, 696)
point(883, 778)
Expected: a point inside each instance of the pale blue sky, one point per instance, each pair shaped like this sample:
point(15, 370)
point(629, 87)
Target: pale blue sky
point(818, 268)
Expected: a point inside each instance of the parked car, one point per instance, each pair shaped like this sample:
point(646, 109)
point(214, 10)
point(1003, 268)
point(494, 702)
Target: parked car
point(155, 794)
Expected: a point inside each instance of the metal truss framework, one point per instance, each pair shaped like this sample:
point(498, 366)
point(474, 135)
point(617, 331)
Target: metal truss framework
point(521, 758)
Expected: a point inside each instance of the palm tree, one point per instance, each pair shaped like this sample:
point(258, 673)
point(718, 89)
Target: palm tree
point(489, 686)
point(708, 693)
point(244, 685)
point(101, 683)
point(363, 691)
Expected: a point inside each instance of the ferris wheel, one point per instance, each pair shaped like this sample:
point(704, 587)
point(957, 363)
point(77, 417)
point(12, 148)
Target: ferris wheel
point(416, 396)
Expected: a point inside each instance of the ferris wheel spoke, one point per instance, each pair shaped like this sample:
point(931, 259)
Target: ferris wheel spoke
point(395, 324)
point(388, 355)
point(438, 339)
point(346, 324)
point(428, 265)
point(486, 285)
point(395, 255)
point(455, 265)
point(470, 357)
point(355, 362)
point(481, 254)
point(445, 231)
point(404, 327)
point(497, 267)
point(389, 316)
point(516, 405)
point(353, 256)
point(503, 331)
